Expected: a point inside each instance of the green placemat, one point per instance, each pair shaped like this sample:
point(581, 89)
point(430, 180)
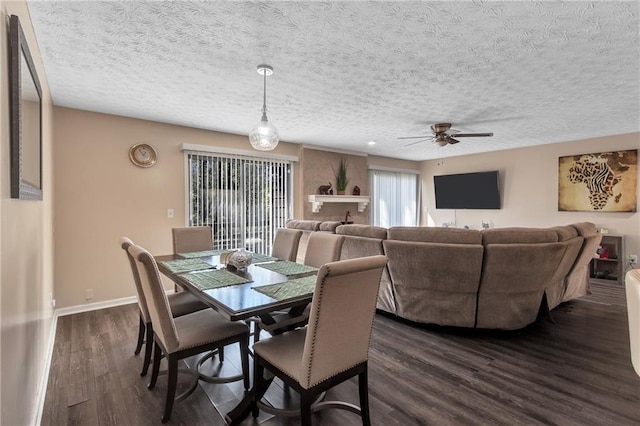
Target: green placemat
point(257, 258)
point(205, 253)
point(186, 265)
point(288, 268)
point(289, 289)
point(214, 279)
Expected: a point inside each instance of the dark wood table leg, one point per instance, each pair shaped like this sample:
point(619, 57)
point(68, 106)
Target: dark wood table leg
point(243, 409)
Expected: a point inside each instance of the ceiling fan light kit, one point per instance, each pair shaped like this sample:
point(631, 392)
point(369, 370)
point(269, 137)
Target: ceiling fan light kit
point(441, 138)
point(264, 137)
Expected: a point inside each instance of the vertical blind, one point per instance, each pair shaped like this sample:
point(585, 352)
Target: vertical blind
point(395, 198)
point(244, 199)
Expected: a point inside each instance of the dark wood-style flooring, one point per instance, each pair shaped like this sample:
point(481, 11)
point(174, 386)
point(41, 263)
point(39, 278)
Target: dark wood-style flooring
point(576, 371)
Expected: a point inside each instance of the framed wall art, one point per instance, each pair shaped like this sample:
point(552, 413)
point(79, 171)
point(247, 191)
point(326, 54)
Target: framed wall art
point(598, 182)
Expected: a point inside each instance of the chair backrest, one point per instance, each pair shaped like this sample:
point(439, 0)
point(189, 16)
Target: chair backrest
point(323, 248)
point(192, 238)
point(341, 319)
point(632, 284)
point(125, 243)
point(157, 302)
point(285, 244)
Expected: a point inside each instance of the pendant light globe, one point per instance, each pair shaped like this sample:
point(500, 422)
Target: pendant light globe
point(264, 137)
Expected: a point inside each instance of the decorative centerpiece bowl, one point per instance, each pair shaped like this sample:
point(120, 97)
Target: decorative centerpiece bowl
point(241, 259)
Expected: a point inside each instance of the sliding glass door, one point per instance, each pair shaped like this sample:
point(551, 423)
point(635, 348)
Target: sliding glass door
point(244, 199)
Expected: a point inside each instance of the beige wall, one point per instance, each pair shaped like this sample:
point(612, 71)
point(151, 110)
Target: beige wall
point(529, 188)
point(101, 196)
point(25, 254)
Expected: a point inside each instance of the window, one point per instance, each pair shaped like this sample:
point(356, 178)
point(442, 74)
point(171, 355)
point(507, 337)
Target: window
point(394, 198)
point(243, 199)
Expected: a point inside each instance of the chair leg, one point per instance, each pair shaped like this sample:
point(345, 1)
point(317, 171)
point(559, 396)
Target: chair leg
point(306, 399)
point(221, 354)
point(171, 387)
point(244, 358)
point(147, 350)
point(157, 356)
point(141, 331)
point(364, 397)
point(256, 332)
point(258, 378)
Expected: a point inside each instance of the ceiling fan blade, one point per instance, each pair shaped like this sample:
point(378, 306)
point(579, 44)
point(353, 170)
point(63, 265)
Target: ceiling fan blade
point(452, 140)
point(416, 137)
point(473, 135)
point(417, 142)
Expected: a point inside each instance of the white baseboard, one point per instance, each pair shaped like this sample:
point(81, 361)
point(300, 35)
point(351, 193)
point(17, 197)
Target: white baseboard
point(95, 306)
point(44, 381)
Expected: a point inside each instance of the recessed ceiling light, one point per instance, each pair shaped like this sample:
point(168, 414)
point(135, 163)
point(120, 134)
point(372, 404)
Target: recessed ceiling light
point(371, 143)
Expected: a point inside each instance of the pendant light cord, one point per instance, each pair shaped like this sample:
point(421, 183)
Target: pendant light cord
point(264, 98)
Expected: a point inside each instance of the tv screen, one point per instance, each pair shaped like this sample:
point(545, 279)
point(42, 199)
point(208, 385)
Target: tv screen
point(467, 191)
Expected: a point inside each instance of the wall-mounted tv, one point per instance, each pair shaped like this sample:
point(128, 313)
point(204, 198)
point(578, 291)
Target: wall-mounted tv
point(467, 191)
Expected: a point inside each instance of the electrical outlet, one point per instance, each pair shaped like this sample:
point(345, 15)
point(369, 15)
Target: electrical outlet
point(88, 294)
point(632, 258)
point(169, 213)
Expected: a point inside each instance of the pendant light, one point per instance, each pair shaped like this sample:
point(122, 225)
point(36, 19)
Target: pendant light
point(264, 137)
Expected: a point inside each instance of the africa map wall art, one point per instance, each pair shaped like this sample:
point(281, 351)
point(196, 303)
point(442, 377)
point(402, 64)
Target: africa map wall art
point(598, 182)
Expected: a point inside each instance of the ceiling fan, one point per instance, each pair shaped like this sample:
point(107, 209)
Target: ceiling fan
point(442, 138)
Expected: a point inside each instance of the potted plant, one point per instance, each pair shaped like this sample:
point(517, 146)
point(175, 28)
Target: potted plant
point(341, 177)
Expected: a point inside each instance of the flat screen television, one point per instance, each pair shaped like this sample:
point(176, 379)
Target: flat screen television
point(467, 191)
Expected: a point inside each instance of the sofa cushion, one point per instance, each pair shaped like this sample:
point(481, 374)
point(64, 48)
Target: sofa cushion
point(514, 278)
point(585, 229)
point(518, 236)
point(363, 231)
point(435, 282)
point(329, 226)
point(434, 235)
point(305, 225)
point(565, 233)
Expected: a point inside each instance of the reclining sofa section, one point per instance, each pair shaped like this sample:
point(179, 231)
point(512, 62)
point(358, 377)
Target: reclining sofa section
point(496, 278)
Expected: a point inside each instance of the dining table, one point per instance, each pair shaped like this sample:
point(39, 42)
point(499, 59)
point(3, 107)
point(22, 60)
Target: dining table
point(265, 286)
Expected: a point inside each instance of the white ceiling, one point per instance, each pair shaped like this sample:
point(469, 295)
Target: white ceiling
point(350, 72)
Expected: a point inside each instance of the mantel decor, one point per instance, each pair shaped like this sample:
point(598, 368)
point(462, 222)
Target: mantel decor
point(341, 177)
point(25, 103)
point(598, 182)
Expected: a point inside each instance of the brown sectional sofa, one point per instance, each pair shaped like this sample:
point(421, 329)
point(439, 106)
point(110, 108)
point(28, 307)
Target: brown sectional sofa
point(497, 278)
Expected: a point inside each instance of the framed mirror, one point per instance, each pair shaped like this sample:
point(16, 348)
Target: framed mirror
point(26, 118)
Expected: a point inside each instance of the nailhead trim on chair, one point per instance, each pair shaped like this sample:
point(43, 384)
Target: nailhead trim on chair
point(150, 259)
point(315, 332)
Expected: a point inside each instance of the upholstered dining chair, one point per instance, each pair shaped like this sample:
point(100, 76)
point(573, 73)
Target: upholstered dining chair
point(285, 244)
point(632, 284)
point(334, 346)
point(192, 238)
point(185, 336)
point(323, 248)
point(179, 303)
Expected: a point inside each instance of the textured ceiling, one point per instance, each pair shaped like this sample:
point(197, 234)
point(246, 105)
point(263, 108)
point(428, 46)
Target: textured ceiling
point(350, 72)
